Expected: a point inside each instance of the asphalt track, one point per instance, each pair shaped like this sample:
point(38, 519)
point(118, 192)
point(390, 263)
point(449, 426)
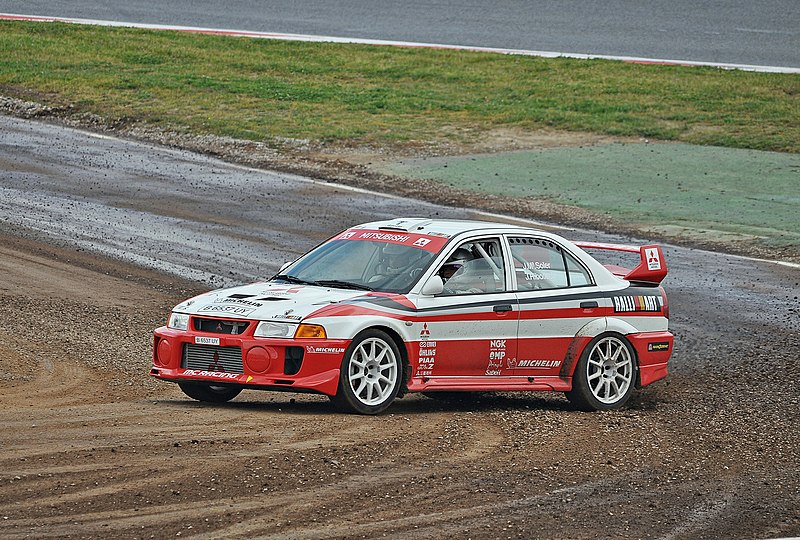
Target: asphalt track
point(765, 33)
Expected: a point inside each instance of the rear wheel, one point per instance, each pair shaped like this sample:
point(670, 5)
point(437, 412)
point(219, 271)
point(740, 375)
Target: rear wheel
point(605, 374)
point(371, 374)
point(209, 392)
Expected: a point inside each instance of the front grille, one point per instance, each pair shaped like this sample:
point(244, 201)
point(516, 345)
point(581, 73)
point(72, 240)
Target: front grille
point(219, 326)
point(212, 358)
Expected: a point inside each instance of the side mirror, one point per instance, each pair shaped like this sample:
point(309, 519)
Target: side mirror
point(433, 286)
point(284, 266)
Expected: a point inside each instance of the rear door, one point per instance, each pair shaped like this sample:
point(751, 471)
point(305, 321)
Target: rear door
point(557, 297)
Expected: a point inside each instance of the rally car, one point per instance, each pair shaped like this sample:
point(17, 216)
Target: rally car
point(436, 306)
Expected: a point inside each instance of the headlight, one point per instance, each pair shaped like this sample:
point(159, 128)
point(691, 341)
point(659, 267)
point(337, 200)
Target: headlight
point(178, 321)
point(275, 329)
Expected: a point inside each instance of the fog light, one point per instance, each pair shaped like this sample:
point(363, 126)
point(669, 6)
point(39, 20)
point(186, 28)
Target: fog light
point(163, 352)
point(258, 359)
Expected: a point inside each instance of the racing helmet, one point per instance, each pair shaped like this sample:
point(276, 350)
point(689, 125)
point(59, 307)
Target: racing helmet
point(455, 262)
point(393, 260)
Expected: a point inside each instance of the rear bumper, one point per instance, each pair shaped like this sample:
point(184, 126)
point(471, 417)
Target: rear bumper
point(269, 364)
point(653, 350)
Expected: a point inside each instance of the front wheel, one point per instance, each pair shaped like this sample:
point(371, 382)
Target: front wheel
point(371, 374)
point(605, 374)
point(209, 393)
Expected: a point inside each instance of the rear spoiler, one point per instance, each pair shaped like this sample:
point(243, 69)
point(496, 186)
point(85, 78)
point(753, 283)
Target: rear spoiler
point(651, 269)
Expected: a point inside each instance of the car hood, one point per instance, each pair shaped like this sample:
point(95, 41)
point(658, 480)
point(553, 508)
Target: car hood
point(262, 301)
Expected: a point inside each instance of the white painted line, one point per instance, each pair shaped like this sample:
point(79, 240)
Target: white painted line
point(410, 44)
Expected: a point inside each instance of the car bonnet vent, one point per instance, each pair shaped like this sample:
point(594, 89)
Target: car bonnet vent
point(240, 296)
point(272, 299)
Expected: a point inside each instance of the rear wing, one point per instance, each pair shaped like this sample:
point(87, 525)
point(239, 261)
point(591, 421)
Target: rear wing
point(652, 268)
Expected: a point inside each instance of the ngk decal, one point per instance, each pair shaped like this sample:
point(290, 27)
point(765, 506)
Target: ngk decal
point(427, 352)
point(497, 354)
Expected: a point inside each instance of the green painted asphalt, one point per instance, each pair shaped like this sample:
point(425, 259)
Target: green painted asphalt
point(669, 188)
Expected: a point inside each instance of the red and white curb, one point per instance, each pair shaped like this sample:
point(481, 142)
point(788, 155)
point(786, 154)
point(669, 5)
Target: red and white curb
point(411, 44)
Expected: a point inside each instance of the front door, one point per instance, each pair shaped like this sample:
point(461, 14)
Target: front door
point(471, 328)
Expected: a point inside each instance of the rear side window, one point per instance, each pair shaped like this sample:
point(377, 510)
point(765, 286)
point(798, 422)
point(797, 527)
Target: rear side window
point(541, 264)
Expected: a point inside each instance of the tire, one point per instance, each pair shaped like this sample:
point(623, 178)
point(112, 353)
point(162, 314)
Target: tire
point(209, 393)
point(605, 375)
point(371, 374)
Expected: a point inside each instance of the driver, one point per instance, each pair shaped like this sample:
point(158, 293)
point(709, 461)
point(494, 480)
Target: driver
point(393, 260)
point(454, 263)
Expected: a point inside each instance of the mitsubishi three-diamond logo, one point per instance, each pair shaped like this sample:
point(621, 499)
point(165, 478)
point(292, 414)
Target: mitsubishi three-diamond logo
point(216, 365)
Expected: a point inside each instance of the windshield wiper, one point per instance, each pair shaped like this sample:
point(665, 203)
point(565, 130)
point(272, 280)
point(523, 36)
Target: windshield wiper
point(293, 279)
point(343, 284)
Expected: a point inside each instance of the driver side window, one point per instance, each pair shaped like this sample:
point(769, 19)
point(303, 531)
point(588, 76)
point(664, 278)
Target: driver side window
point(474, 267)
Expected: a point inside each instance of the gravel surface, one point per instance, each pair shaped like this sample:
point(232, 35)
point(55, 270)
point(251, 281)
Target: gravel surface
point(94, 448)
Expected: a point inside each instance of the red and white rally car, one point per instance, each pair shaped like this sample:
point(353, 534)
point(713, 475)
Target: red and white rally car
point(420, 305)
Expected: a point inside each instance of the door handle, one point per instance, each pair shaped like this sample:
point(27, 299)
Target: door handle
point(502, 308)
point(588, 305)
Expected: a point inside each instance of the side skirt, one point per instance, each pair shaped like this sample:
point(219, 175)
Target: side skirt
point(490, 384)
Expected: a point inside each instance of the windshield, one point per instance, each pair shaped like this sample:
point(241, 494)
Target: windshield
point(368, 265)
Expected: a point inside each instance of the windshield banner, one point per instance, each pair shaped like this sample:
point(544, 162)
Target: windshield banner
point(430, 243)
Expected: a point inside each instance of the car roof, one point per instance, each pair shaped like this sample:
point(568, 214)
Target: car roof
point(453, 228)
point(445, 227)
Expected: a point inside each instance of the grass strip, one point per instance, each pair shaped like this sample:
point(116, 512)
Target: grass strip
point(694, 192)
point(383, 96)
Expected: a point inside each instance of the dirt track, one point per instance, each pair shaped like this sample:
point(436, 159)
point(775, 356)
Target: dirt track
point(93, 448)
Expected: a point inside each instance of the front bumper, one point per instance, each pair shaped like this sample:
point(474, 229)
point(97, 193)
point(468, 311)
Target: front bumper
point(307, 365)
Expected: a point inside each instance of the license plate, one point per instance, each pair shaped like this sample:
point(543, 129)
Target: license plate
point(202, 340)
